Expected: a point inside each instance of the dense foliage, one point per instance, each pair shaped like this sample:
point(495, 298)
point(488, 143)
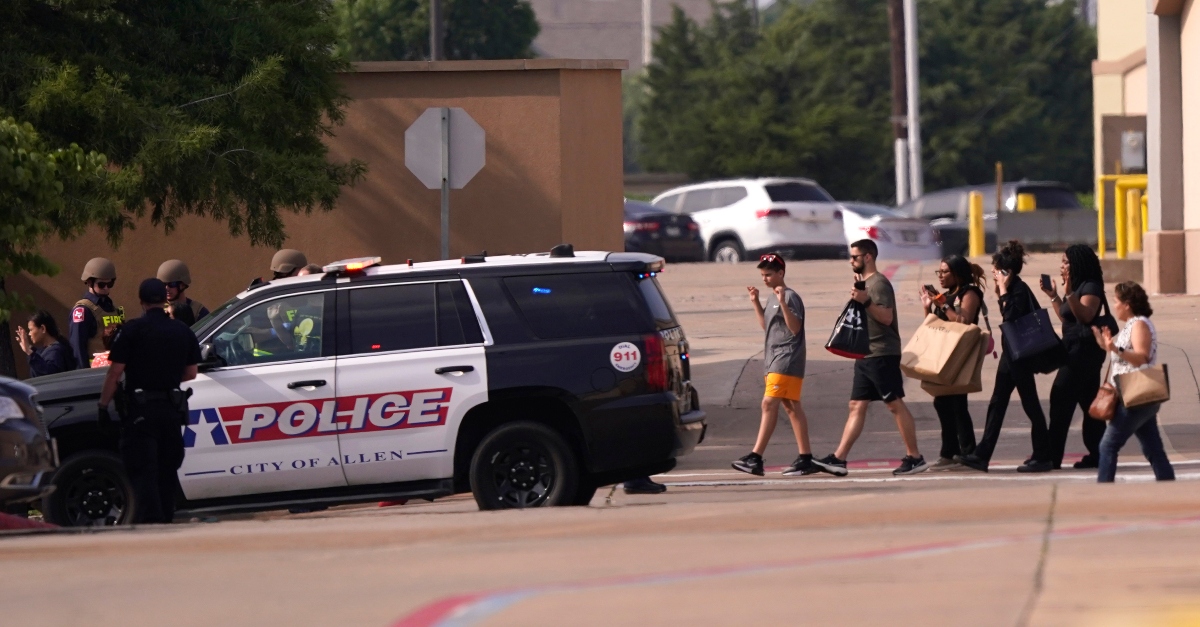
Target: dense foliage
point(398, 30)
point(809, 94)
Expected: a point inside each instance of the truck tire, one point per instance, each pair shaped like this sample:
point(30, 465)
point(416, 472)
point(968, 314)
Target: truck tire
point(523, 464)
point(91, 490)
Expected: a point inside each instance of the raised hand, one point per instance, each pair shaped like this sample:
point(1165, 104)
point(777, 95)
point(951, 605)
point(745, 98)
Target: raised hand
point(753, 294)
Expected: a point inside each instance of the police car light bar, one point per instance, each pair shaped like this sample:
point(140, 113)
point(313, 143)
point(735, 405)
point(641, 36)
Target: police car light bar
point(353, 265)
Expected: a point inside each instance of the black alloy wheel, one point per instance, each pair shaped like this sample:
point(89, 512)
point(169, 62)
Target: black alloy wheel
point(523, 464)
point(91, 490)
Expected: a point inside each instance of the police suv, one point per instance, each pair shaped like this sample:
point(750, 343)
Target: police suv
point(528, 380)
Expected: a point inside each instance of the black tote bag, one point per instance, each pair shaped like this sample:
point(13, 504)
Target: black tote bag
point(1030, 335)
point(850, 337)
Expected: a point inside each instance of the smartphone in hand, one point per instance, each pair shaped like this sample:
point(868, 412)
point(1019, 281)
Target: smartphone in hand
point(1046, 282)
point(932, 290)
point(860, 285)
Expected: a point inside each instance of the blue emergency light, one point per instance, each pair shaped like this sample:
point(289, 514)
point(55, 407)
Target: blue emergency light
point(541, 290)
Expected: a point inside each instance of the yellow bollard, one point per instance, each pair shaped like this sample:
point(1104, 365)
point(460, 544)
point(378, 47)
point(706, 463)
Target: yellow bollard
point(1101, 242)
point(1145, 214)
point(1133, 205)
point(1026, 202)
point(1119, 224)
point(976, 240)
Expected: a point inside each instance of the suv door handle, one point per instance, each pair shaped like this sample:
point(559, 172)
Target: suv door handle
point(451, 369)
point(315, 383)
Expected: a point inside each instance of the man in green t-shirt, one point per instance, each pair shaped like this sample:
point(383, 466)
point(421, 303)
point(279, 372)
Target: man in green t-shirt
point(877, 376)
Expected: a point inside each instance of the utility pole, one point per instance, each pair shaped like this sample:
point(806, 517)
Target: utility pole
point(895, 9)
point(436, 36)
point(647, 34)
point(916, 175)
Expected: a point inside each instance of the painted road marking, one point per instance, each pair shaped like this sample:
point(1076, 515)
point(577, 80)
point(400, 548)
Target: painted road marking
point(954, 472)
point(1127, 478)
point(468, 609)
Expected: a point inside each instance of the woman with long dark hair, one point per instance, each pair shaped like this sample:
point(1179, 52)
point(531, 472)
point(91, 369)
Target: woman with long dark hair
point(961, 301)
point(1078, 379)
point(1016, 301)
point(48, 350)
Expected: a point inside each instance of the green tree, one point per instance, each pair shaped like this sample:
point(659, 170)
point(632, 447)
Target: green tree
point(398, 30)
point(215, 108)
point(44, 192)
point(1001, 80)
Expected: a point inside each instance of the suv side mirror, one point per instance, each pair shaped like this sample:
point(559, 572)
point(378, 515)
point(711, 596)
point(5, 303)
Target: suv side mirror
point(209, 358)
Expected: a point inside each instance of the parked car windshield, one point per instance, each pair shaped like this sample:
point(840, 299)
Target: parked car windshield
point(796, 192)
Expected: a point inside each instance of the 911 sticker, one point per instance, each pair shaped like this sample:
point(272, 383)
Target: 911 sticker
point(300, 419)
point(625, 357)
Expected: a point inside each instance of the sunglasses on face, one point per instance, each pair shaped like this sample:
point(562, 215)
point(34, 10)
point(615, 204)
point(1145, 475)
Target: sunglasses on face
point(104, 285)
point(856, 257)
point(175, 285)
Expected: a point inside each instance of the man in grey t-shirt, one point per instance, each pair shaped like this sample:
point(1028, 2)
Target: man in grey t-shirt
point(877, 376)
point(783, 357)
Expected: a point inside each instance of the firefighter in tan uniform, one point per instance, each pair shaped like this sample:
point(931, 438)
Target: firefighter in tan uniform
point(95, 318)
point(175, 275)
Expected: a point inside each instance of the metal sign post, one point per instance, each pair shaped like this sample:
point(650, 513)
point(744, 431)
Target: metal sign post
point(444, 148)
point(445, 114)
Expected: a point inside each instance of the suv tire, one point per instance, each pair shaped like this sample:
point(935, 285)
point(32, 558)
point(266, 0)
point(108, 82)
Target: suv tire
point(91, 490)
point(523, 464)
point(728, 251)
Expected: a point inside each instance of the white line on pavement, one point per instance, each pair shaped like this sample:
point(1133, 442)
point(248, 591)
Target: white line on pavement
point(1128, 478)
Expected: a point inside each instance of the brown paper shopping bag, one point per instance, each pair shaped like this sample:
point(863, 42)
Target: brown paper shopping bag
point(970, 377)
point(937, 351)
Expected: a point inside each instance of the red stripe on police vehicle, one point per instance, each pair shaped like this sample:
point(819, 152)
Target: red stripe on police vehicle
point(264, 422)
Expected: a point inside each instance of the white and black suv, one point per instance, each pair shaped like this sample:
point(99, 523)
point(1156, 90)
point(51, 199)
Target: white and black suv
point(528, 380)
point(742, 218)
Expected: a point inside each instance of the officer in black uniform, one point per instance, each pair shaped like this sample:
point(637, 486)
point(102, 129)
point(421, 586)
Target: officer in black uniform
point(156, 354)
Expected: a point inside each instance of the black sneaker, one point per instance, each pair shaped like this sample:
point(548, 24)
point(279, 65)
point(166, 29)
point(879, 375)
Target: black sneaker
point(973, 461)
point(802, 466)
point(911, 465)
point(832, 465)
point(644, 485)
point(1087, 462)
point(752, 464)
point(1034, 465)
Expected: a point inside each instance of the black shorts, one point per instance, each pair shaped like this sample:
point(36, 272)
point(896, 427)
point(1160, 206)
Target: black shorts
point(877, 379)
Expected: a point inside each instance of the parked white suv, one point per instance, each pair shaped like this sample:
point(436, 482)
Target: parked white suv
point(742, 218)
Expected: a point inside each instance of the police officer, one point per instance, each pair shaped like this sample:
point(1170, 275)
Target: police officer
point(286, 262)
point(175, 275)
point(95, 318)
point(156, 354)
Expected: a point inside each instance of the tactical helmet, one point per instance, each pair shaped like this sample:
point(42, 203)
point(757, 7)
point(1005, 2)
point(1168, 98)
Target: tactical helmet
point(288, 260)
point(99, 268)
point(173, 270)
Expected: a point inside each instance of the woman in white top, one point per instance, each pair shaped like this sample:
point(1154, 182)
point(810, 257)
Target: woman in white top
point(1135, 347)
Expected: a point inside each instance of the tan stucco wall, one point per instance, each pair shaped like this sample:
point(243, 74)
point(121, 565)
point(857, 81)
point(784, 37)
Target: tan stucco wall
point(1120, 28)
point(1134, 91)
point(552, 175)
point(1189, 45)
point(1108, 98)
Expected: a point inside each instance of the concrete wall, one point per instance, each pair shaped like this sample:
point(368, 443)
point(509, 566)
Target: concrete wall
point(553, 174)
point(1120, 29)
point(1189, 59)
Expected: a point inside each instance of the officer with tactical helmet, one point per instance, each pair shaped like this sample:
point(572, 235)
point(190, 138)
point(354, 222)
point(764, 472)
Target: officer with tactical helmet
point(285, 263)
point(95, 318)
point(175, 275)
point(156, 354)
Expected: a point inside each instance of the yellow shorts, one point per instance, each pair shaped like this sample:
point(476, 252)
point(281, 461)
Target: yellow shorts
point(784, 386)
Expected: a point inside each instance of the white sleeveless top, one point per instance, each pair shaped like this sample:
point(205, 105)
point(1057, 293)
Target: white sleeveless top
point(1124, 340)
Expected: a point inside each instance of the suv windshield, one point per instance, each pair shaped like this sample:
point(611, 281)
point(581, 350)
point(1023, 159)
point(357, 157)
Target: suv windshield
point(796, 192)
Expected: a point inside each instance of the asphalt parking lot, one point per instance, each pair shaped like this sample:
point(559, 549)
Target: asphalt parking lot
point(719, 547)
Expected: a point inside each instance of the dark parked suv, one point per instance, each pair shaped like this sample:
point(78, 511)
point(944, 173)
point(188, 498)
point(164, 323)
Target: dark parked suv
point(26, 452)
point(528, 380)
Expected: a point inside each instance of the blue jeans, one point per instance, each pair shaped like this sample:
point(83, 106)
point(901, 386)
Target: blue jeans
point(1142, 422)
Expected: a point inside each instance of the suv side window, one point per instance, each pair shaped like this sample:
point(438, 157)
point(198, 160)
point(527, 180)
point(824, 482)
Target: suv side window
point(668, 203)
point(282, 329)
point(392, 317)
point(560, 306)
point(405, 317)
point(698, 200)
point(725, 196)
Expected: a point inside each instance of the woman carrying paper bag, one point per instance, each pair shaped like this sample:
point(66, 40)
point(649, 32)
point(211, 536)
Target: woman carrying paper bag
point(961, 302)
